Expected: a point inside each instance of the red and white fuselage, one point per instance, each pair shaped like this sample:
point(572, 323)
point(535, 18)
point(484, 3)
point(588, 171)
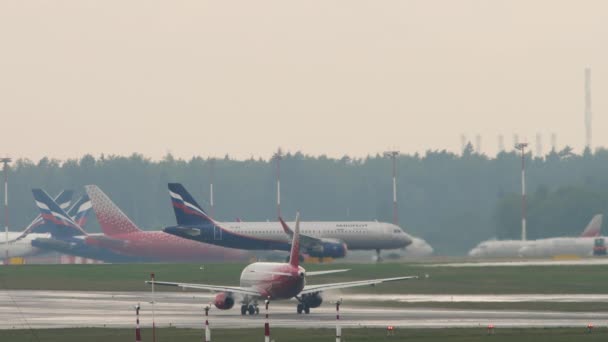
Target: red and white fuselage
point(272, 281)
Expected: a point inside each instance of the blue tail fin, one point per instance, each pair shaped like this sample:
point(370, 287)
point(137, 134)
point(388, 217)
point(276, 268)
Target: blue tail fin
point(63, 199)
point(52, 214)
point(187, 211)
point(79, 212)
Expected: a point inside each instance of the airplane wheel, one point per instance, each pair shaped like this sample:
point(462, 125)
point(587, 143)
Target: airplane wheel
point(243, 310)
point(300, 308)
point(306, 309)
point(251, 310)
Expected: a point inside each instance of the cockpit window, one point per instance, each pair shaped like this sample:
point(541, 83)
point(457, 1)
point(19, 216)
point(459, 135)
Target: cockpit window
point(397, 231)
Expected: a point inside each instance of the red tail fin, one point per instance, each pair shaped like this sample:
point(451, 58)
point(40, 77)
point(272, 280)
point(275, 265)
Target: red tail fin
point(294, 255)
point(594, 228)
point(111, 219)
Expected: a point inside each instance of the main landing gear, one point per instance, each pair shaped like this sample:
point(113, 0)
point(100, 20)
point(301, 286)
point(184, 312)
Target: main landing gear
point(251, 309)
point(378, 257)
point(303, 307)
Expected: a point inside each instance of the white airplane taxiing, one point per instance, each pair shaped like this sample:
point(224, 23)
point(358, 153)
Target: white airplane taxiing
point(262, 281)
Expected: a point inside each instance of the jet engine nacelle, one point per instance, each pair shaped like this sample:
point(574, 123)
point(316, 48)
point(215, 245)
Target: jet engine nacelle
point(328, 249)
point(312, 300)
point(223, 301)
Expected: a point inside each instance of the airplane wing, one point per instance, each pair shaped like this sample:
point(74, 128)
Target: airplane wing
point(213, 288)
point(305, 240)
point(324, 287)
point(316, 273)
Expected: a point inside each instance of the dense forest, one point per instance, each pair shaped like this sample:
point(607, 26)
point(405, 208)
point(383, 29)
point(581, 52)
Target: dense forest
point(451, 200)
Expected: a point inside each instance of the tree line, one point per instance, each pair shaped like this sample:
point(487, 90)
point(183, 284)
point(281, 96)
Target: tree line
point(451, 200)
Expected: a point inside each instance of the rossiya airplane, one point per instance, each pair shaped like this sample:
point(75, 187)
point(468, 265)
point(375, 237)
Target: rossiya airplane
point(152, 245)
point(276, 281)
point(19, 244)
point(319, 239)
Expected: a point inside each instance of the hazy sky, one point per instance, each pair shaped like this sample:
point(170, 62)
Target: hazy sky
point(321, 76)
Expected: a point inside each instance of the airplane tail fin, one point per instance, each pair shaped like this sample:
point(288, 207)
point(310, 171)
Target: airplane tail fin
point(294, 255)
point(63, 199)
point(79, 212)
point(594, 227)
point(187, 211)
point(111, 219)
point(60, 223)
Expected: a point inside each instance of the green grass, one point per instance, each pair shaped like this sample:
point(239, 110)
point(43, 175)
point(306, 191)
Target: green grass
point(301, 335)
point(471, 280)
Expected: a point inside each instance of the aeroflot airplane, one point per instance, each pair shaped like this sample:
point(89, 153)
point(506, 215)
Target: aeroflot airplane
point(319, 239)
point(19, 244)
point(275, 281)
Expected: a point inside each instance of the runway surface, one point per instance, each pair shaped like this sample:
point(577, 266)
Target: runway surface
point(62, 309)
point(518, 263)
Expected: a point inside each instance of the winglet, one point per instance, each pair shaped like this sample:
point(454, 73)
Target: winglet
point(294, 255)
point(286, 228)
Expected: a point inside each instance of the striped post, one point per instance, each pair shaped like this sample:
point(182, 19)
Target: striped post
point(267, 324)
point(207, 330)
point(338, 327)
point(137, 331)
point(153, 313)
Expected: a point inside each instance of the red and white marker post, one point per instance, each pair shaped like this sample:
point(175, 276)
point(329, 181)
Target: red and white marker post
point(267, 324)
point(153, 313)
point(137, 330)
point(207, 337)
point(338, 327)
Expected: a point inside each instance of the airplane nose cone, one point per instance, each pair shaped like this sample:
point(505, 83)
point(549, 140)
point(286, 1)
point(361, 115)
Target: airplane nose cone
point(406, 240)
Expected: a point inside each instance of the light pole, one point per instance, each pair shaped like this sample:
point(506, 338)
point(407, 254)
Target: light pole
point(6, 161)
point(522, 148)
point(278, 156)
point(393, 155)
point(212, 173)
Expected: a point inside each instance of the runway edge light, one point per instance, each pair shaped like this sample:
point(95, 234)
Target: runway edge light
point(490, 329)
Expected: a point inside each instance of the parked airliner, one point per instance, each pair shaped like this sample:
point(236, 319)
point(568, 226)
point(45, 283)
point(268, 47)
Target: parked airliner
point(276, 281)
point(540, 247)
point(19, 244)
point(319, 239)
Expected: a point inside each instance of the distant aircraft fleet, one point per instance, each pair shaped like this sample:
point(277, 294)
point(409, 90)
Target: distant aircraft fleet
point(196, 236)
